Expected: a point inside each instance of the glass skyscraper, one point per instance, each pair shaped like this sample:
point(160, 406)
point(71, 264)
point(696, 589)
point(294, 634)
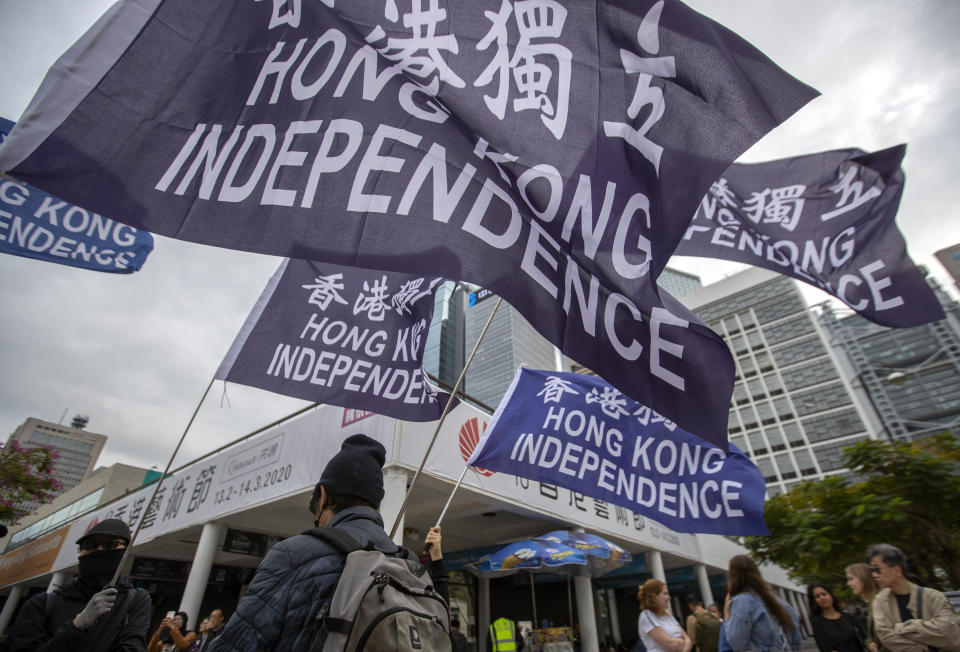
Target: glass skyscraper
point(509, 343)
point(444, 351)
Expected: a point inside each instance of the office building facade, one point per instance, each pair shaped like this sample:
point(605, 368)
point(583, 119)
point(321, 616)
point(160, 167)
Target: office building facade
point(910, 376)
point(792, 410)
point(949, 257)
point(78, 450)
point(678, 283)
point(509, 342)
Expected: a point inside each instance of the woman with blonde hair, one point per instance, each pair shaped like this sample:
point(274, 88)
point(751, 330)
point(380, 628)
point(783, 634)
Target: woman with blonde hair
point(757, 620)
point(860, 581)
point(659, 630)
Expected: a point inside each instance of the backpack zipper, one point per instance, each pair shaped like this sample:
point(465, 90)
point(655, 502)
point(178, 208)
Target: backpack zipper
point(386, 614)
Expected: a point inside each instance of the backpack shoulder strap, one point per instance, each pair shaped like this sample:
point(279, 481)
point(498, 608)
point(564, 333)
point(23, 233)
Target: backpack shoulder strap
point(344, 542)
point(337, 538)
point(920, 602)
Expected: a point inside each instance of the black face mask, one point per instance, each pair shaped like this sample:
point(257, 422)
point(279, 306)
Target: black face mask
point(314, 504)
point(97, 568)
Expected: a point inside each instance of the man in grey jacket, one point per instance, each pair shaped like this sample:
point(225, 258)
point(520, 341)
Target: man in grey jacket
point(907, 617)
point(299, 575)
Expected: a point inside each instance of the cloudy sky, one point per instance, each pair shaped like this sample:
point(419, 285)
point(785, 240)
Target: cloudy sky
point(136, 352)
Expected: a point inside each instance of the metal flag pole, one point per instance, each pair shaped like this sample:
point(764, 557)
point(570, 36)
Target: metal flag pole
point(126, 551)
point(450, 499)
point(453, 393)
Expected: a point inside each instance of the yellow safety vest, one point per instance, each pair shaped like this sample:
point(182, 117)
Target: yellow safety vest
point(503, 633)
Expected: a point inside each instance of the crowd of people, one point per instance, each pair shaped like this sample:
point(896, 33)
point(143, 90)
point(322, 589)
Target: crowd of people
point(296, 580)
point(753, 618)
point(900, 616)
point(293, 602)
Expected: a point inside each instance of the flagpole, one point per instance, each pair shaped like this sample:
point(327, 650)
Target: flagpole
point(126, 551)
point(450, 499)
point(456, 387)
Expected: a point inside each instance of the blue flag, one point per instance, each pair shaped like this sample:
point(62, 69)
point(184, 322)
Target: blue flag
point(825, 219)
point(343, 336)
point(36, 225)
point(578, 432)
point(551, 152)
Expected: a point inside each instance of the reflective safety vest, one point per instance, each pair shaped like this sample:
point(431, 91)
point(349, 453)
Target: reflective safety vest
point(503, 634)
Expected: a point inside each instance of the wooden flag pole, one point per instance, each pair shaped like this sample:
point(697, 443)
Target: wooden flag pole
point(126, 551)
point(453, 393)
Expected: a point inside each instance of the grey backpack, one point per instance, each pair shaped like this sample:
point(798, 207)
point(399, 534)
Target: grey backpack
point(381, 602)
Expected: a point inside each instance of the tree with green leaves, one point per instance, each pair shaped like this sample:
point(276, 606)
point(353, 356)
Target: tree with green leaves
point(26, 475)
point(903, 493)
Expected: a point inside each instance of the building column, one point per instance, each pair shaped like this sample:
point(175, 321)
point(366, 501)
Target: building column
point(395, 482)
point(800, 604)
point(60, 578)
point(589, 641)
point(210, 540)
point(483, 612)
point(703, 581)
point(655, 564)
point(614, 616)
point(802, 601)
point(11, 605)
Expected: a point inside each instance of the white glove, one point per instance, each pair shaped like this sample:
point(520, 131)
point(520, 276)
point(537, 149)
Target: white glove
point(98, 605)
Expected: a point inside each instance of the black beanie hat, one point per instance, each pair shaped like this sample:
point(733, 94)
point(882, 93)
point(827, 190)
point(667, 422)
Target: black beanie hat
point(113, 527)
point(357, 470)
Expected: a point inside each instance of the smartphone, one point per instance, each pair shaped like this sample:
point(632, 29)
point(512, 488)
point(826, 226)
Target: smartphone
point(171, 614)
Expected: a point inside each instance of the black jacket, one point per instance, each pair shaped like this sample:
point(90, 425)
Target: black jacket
point(49, 628)
point(297, 577)
point(458, 641)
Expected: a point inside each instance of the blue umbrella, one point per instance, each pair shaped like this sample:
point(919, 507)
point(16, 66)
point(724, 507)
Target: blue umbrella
point(602, 555)
point(530, 555)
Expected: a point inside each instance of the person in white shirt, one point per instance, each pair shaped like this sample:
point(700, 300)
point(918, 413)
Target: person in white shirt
point(658, 629)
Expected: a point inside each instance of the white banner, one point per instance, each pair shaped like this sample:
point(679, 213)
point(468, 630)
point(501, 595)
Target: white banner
point(459, 436)
point(282, 461)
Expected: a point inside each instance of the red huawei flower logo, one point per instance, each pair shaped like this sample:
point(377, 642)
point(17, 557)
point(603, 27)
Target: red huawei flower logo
point(469, 438)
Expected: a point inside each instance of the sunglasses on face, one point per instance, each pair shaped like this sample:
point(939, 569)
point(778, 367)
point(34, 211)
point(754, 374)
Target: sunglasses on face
point(101, 544)
point(874, 570)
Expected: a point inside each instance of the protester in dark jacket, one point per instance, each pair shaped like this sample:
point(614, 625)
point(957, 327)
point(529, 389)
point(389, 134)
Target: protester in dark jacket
point(83, 616)
point(299, 575)
point(458, 641)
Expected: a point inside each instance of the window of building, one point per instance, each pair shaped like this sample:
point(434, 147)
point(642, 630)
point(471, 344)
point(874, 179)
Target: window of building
point(805, 462)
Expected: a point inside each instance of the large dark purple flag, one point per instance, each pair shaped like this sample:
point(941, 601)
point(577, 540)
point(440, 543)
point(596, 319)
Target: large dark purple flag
point(580, 433)
point(826, 219)
point(340, 335)
point(551, 152)
point(36, 225)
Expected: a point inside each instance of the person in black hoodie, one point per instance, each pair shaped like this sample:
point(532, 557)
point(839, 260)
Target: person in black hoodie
point(87, 615)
